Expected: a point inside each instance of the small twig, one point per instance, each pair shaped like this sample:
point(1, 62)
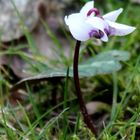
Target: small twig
point(86, 117)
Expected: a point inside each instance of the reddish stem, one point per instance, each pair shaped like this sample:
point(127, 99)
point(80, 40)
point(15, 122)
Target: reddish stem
point(86, 116)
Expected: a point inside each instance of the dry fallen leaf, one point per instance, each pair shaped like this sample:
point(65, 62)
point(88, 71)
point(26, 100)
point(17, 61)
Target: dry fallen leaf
point(42, 40)
point(136, 1)
point(96, 106)
point(15, 15)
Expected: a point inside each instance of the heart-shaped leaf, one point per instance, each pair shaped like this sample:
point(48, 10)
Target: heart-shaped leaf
point(110, 55)
point(103, 63)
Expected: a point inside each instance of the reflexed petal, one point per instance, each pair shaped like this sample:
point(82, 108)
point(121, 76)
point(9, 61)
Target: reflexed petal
point(104, 38)
point(120, 29)
point(89, 5)
point(97, 23)
point(112, 16)
point(78, 27)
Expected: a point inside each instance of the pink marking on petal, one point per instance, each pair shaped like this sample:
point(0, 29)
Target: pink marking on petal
point(107, 31)
point(93, 33)
point(96, 33)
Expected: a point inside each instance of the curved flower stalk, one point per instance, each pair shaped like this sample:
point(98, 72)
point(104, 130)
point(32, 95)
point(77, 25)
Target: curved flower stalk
point(89, 23)
point(84, 25)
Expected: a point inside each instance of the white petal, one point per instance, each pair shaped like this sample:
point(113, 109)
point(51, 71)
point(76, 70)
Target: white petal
point(112, 16)
point(97, 23)
point(78, 27)
point(120, 29)
point(104, 38)
point(88, 6)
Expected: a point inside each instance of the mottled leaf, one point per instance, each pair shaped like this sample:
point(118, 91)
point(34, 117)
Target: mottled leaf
point(104, 63)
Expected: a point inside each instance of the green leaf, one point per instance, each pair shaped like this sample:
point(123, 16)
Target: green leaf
point(110, 55)
point(98, 67)
point(103, 63)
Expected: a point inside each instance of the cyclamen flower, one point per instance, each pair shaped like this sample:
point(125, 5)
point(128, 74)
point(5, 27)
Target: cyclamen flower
point(89, 23)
